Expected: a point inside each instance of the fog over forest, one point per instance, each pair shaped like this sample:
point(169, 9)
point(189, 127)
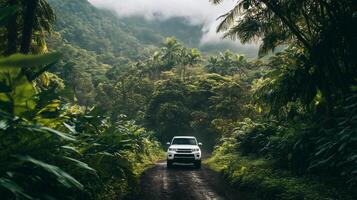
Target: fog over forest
point(198, 12)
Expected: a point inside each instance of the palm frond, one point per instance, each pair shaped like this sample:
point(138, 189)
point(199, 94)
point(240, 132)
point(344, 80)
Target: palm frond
point(228, 18)
point(247, 30)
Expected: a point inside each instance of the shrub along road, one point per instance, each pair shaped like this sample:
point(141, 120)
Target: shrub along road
point(185, 182)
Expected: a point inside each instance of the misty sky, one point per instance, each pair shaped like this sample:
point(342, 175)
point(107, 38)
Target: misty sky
point(197, 11)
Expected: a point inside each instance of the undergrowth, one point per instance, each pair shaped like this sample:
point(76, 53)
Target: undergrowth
point(259, 177)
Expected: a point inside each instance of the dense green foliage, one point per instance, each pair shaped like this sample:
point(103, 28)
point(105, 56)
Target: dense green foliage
point(227, 64)
point(117, 40)
point(51, 147)
point(320, 31)
point(40, 160)
point(263, 181)
point(306, 98)
point(84, 26)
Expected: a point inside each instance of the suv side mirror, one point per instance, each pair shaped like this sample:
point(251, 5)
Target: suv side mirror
point(168, 143)
point(200, 144)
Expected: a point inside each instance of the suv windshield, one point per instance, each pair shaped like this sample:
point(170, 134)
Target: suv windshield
point(189, 141)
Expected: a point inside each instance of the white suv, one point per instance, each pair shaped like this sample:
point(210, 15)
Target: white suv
point(184, 149)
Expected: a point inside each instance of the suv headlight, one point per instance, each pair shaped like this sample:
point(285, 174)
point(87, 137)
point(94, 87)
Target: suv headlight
point(195, 150)
point(172, 149)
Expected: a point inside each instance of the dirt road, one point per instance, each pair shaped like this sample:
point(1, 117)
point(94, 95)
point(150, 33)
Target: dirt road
point(185, 183)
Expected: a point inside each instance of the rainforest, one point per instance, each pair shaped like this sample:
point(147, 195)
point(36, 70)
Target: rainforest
point(91, 92)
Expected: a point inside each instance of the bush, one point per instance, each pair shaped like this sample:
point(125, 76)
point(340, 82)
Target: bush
point(258, 177)
point(335, 151)
point(309, 145)
point(49, 150)
point(119, 151)
point(252, 138)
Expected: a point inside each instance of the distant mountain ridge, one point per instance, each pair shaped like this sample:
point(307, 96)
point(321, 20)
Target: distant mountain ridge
point(90, 28)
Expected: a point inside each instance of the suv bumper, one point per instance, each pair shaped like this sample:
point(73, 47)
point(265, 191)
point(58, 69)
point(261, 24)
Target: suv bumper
point(183, 157)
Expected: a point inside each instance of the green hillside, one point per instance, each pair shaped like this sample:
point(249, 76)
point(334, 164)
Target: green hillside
point(93, 42)
point(92, 29)
point(98, 30)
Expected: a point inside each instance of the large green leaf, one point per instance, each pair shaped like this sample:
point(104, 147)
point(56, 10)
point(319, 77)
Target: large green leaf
point(81, 165)
point(18, 96)
point(19, 60)
point(13, 188)
point(59, 134)
point(61, 176)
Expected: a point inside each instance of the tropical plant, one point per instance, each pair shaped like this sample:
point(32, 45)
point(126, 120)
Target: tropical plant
point(170, 53)
point(227, 64)
point(27, 171)
point(310, 25)
point(189, 58)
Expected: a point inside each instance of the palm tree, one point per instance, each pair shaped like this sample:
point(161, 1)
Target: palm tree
point(212, 64)
point(193, 58)
point(320, 28)
point(170, 52)
point(227, 63)
point(155, 65)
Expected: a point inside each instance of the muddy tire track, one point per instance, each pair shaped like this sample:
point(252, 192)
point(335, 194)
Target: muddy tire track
point(185, 183)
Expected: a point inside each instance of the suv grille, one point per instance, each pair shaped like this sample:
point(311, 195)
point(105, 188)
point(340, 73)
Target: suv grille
point(184, 156)
point(184, 151)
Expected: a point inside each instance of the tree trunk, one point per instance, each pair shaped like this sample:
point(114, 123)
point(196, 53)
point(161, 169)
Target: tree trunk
point(12, 31)
point(184, 72)
point(29, 23)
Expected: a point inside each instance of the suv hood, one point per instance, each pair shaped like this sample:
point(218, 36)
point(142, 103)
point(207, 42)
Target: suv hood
point(183, 146)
